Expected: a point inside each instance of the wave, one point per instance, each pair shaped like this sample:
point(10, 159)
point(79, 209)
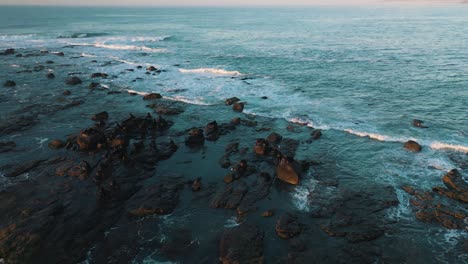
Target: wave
point(119, 47)
point(87, 55)
point(212, 71)
point(17, 37)
point(186, 100)
point(83, 35)
point(150, 39)
point(441, 145)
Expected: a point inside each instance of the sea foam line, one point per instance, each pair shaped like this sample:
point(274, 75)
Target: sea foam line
point(119, 47)
point(212, 71)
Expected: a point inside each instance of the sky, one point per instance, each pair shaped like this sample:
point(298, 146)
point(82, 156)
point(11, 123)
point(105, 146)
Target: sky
point(213, 2)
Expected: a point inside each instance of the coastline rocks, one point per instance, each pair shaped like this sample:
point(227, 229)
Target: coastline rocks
point(243, 244)
point(230, 196)
point(238, 107)
point(231, 101)
point(212, 131)
point(90, 139)
point(262, 147)
point(274, 138)
point(316, 134)
point(56, 144)
point(196, 185)
point(60, 54)
point(9, 83)
point(7, 146)
point(413, 146)
point(100, 116)
point(288, 170)
point(152, 96)
point(50, 76)
point(22, 168)
point(151, 68)
point(287, 226)
point(457, 188)
point(73, 81)
point(167, 108)
point(195, 137)
point(99, 75)
point(236, 121)
point(419, 123)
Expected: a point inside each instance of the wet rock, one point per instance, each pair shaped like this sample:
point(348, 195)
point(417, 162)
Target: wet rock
point(288, 226)
point(60, 54)
point(262, 147)
point(258, 190)
point(289, 147)
point(288, 170)
point(413, 146)
point(212, 131)
point(243, 244)
point(80, 170)
point(231, 101)
point(66, 92)
point(49, 62)
point(268, 213)
point(167, 108)
point(99, 75)
point(100, 116)
point(19, 123)
point(50, 76)
point(8, 52)
point(236, 121)
point(7, 146)
point(419, 123)
point(264, 97)
point(93, 85)
point(238, 107)
point(56, 144)
point(316, 134)
point(73, 81)
point(9, 83)
point(160, 198)
point(230, 195)
point(151, 68)
point(90, 139)
point(152, 96)
point(457, 188)
point(22, 168)
point(274, 138)
point(195, 137)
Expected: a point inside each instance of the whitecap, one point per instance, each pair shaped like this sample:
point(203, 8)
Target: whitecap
point(231, 222)
point(194, 101)
point(211, 71)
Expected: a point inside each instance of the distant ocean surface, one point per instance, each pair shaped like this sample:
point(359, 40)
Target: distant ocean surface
point(364, 73)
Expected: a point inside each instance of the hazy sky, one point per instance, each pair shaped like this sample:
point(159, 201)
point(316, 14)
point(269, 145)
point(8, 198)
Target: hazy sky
point(211, 2)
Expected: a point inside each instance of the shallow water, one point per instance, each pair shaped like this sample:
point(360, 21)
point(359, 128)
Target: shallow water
point(361, 74)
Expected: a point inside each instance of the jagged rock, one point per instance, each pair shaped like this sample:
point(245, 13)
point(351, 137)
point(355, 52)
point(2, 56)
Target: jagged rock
point(243, 244)
point(288, 170)
point(152, 96)
point(9, 83)
point(262, 147)
point(231, 101)
point(73, 81)
point(268, 213)
point(100, 116)
point(413, 146)
point(288, 226)
point(238, 107)
point(196, 185)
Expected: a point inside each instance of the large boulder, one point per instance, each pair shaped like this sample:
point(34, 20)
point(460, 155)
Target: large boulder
point(243, 244)
point(8, 52)
point(288, 170)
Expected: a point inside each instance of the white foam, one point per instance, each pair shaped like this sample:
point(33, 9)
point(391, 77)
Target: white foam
point(300, 121)
point(211, 71)
point(126, 47)
point(375, 136)
point(441, 145)
point(231, 222)
point(137, 92)
point(196, 101)
point(149, 39)
point(87, 55)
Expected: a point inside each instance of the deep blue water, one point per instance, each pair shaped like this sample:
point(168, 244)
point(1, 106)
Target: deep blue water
point(361, 73)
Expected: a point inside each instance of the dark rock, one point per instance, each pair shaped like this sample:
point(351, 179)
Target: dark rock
point(236, 121)
point(73, 81)
point(49, 62)
point(195, 137)
point(152, 96)
point(160, 198)
point(100, 116)
point(316, 134)
point(243, 244)
point(50, 76)
point(7, 146)
point(230, 196)
point(93, 85)
point(212, 131)
point(196, 185)
point(268, 213)
point(56, 144)
point(99, 75)
point(90, 139)
point(8, 52)
point(238, 107)
point(264, 97)
point(61, 54)
point(413, 146)
point(167, 108)
point(66, 92)
point(274, 138)
point(9, 83)
point(419, 123)
point(288, 226)
point(39, 68)
point(288, 170)
point(231, 101)
point(22, 168)
point(151, 68)
point(457, 188)
point(262, 147)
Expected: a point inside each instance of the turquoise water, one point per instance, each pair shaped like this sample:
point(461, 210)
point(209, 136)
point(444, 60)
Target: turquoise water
point(361, 74)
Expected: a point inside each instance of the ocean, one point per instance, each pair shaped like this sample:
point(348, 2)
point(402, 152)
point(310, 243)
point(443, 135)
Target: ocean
point(361, 74)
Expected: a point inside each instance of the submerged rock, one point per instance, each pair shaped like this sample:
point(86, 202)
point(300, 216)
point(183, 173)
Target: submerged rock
point(152, 96)
point(243, 244)
point(9, 83)
point(316, 134)
point(99, 75)
point(288, 226)
point(73, 81)
point(195, 137)
point(212, 131)
point(8, 52)
point(274, 138)
point(56, 144)
point(419, 123)
point(90, 139)
point(50, 76)
point(231, 101)
point(413, 146)
point(238, 107)
point(66, 92)
point(100, 116)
